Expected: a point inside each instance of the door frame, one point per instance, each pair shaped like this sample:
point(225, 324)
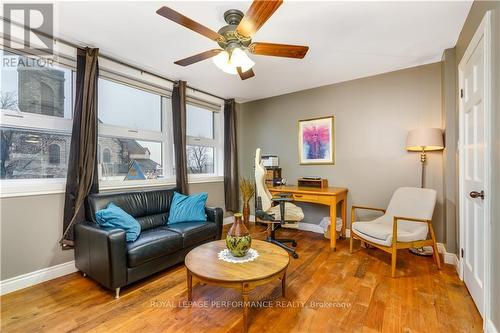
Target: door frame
point(483, 31)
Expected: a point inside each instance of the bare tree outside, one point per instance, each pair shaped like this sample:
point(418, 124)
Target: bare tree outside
point(200, 159)
point(8, 100)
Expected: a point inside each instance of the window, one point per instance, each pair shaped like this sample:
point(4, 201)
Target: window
point(204, 150)
point(36, 109)
point(134, 135)
point(124, 106)
point(47, 99)
point(24, 154)
point(54, 154)
point(135, 140)
point(200, 122)
point(106, 156)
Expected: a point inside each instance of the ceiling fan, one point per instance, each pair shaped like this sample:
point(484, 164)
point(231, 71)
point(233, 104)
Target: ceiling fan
point(236, 37)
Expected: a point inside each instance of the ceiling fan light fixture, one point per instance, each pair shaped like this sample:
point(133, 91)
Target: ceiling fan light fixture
point(240, 58)
point(228, 63)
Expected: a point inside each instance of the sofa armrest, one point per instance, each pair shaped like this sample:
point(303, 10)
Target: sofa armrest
point(101, 254)
point(215, 215)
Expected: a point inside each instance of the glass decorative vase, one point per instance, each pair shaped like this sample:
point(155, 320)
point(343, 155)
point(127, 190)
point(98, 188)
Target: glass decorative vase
point(238, 240)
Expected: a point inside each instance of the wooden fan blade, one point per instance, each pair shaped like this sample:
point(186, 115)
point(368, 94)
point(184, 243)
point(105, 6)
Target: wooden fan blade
point(188, 23)
point(278, 50)
point(258, 13)
point(245, 75)
point(198, 57)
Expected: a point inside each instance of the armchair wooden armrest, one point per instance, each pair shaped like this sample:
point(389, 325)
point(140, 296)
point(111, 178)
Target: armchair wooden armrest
point(368, 208)
point(353, 208)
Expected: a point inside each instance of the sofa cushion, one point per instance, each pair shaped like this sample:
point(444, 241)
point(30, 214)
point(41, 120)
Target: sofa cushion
point(194, 232)
point(152, 244)
point(149, 207)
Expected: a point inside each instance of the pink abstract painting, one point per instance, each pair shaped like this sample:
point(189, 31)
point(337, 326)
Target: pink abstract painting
point(316, 141)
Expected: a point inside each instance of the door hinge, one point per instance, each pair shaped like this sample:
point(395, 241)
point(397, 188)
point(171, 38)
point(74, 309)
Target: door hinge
point(461, 93)
point(462, 253)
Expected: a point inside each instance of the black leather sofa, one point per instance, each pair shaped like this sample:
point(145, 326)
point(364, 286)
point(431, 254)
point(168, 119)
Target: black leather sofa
point(106, 257)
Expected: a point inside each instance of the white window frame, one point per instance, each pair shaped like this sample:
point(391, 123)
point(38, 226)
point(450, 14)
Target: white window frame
point(37, 122)
point(217, 143)
point(105, 130)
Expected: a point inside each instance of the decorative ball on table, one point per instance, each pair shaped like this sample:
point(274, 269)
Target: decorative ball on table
point(238, 239)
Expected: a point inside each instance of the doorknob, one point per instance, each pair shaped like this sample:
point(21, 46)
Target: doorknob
point(475, 194)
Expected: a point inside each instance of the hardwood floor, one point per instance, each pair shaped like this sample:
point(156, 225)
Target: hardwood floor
point(326, 292)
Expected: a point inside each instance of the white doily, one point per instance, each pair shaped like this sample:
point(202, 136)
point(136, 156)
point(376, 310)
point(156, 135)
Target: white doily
point(227, 256)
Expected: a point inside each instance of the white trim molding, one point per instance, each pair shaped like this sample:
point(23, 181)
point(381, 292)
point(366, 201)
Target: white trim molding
point(36, 277)
point(448, 257)
point(489, 327)
point(484, 32)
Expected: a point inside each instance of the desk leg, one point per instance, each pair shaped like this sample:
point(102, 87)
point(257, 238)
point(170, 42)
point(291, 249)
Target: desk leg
point(190, 285)
point(333, 222)
point(344, 215)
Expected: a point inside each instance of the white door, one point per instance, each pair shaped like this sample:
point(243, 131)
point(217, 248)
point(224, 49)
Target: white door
point(474, 166)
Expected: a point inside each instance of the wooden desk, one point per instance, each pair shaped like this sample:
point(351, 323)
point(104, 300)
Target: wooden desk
point(329, 196)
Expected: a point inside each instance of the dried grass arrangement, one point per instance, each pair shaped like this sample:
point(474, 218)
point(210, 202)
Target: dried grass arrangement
point(247, 189)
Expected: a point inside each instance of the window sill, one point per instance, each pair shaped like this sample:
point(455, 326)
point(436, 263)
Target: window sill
point(31, 187)
point(38, 187)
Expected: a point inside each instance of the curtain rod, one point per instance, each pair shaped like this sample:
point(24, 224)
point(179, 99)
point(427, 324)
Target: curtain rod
point(104, 56)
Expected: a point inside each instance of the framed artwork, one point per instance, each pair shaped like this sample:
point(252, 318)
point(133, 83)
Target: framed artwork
point(316, 145)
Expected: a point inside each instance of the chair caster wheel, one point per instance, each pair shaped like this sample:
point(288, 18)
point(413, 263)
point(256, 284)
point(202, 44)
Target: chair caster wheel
point(295, 255)
point(294, 244)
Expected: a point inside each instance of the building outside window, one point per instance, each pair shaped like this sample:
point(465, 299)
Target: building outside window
point(36, 111)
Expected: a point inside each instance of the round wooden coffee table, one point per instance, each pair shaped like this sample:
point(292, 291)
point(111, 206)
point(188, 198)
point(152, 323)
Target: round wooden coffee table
point(203, 263)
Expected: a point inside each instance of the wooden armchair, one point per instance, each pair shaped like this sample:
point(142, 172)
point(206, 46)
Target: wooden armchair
point(405, 224)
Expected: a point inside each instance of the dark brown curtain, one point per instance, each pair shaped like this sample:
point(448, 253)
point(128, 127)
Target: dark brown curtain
point(179, 124)
point(231, 188)
point(82, 165)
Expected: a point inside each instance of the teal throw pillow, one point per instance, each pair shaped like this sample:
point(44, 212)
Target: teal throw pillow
point(113, 217)
point(188, 208)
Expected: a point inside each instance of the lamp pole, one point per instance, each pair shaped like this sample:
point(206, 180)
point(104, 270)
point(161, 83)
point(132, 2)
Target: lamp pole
point(423, 158)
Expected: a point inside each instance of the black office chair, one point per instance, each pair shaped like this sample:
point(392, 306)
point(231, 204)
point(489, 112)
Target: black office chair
point(274, 224)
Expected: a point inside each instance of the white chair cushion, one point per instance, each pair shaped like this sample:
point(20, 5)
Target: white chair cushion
point(405, 202)
point(292, 212)
point(380, 232)
point(412, 202)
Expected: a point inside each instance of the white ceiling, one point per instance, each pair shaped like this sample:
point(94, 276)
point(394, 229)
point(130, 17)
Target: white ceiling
point(347, 40)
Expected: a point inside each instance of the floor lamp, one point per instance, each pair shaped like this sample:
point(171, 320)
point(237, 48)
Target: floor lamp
point(423, 140)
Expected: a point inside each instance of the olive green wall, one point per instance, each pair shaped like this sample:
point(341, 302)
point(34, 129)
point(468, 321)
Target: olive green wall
point(372, 119)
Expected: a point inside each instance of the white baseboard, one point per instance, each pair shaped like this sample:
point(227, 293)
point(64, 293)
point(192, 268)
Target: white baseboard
point(449, 258)
point(36, 277)
point(490, 327)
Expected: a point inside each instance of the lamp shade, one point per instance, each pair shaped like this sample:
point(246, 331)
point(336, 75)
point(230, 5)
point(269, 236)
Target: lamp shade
point(425, 139)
